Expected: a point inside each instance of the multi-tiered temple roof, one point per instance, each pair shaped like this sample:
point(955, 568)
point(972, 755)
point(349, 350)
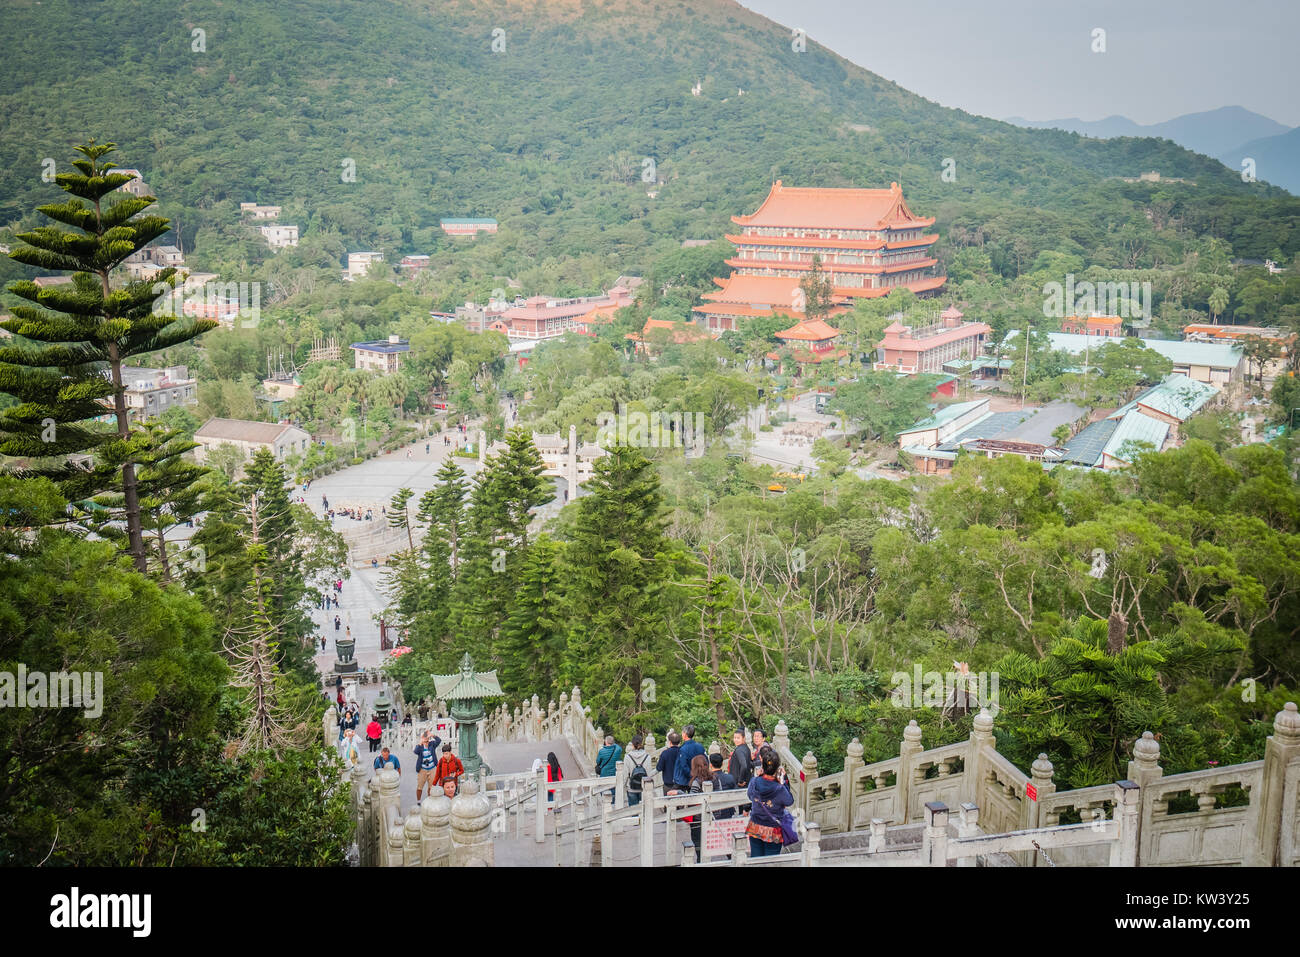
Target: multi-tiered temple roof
point(867, 240)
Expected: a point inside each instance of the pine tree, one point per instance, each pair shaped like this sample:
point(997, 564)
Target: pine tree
point(613, 575)
point(399, 516)
point(531, 646)
point(73, 342)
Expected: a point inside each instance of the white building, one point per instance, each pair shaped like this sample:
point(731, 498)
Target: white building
point(280, 237)
point(259, 212)
point(359, 264)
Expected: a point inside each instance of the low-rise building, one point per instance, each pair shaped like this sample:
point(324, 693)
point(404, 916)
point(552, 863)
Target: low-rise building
point(413, 264)
point(254, 211)
point(545, 317)
point(811, 341)
point(280, 438)
point(468, 227)
point(926, 348)
point(279, 236)
point(359, 264)
point(137, 187)
point(150, 392)
point(382, 355)
point(1215, 363)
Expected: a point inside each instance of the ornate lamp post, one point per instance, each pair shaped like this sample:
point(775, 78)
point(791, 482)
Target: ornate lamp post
point(464, 693)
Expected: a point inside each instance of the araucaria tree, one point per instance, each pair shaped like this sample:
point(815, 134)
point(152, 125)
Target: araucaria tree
point(614, 574)
point(71, 343)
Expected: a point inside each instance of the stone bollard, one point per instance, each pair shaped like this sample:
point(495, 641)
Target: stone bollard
point(388, 812)
point(812, 845)
point(1276, 833)
point(471, 828)
point(1040, 775)
point(809, 771)
point(435, 829)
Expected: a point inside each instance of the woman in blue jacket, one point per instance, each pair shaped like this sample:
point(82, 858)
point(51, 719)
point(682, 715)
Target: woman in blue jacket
point(770, 797)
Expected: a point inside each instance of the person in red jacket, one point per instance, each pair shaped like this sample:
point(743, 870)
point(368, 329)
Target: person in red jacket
point(553, 773)
point(373, 733)
point(448, 772)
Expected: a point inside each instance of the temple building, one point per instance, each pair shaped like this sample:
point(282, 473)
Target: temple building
point(811, 341)
point(867, 240)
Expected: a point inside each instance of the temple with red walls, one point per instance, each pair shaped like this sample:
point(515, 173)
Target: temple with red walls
point(867, 240)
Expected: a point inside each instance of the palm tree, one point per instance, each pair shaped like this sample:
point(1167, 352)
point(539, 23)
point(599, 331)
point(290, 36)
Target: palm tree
point(1218, 302)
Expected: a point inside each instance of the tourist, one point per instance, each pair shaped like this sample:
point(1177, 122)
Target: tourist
point(634, 763)
point(741, 763)
point(760, 742)
point(373, 733)
point(322, 642)
point(690, 749)
point(386, 760)
point(448, 771)
point(668, 761)
point(722, 781)
point(701, 771)
point(607, 759)
point(769, 797)
point(423, 709)
point(426, 448)
point(406, 718)
point(553, 772)
point(349, 753)
point(426, 763)
point(348, 632)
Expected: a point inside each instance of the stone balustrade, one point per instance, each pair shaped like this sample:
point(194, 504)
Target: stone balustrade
point(1246, 814)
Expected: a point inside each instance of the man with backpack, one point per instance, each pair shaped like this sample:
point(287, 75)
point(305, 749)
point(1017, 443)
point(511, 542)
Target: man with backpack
point(635, 764)
point(607, 759)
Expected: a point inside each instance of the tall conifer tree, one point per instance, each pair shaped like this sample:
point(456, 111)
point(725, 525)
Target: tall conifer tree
point(66, 366)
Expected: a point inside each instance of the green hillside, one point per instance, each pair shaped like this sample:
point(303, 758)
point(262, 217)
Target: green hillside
point(550, 135)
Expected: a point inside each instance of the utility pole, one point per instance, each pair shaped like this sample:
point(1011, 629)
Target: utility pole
point(1024, 378)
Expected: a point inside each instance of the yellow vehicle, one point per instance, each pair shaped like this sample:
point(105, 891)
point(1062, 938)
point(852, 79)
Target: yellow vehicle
point(776, 488)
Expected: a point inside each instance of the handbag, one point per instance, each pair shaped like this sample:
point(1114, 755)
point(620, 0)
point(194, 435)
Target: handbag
point(788, 833)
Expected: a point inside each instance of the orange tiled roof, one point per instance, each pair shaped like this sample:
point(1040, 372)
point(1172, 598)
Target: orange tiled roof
point(769, 290)
point(818, 208)
point(809, 330)
point(682, 332)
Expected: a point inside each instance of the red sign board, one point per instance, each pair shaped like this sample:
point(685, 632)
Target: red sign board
point(720, 836)
point(1031, 792)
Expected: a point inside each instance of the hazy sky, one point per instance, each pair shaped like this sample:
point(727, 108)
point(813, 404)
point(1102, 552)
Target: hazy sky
point(1033, 58)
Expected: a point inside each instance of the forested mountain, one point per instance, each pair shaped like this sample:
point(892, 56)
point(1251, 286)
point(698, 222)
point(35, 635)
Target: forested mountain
point(550, 133)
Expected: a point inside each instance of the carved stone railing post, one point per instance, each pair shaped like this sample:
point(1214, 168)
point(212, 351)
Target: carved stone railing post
point(539, 807)
point(471, 828)
point(980, 743)
point(812, 845)
point(411, 850)
point(907, 752)
point(389, 810)
point(1276, 809)
point(852, 761)
point(435, 829)
point(1040, 774)
point(934, 840)
point(1144, 771)
point(968, 826)
point(330, 723)
point(1128, 812)
point(809, 770)
point(396, 835)
point(537, 719)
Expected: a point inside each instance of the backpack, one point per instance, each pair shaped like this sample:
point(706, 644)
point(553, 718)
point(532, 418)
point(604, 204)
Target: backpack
point(638, 773)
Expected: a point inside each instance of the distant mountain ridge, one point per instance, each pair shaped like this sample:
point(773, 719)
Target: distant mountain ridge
point(1212, 132)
